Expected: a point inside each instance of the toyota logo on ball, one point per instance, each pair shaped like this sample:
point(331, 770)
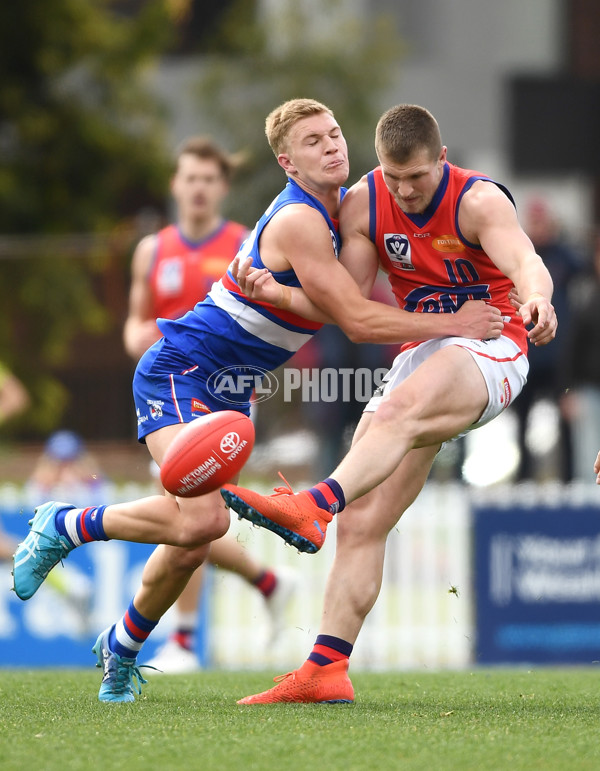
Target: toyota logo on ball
point(229, 442)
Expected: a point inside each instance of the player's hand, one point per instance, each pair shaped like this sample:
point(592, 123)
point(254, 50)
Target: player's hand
point(257, 283)
point(539, 311)
point(141, 336)
point(597, 469)
point(478, 320)
point(514, 299)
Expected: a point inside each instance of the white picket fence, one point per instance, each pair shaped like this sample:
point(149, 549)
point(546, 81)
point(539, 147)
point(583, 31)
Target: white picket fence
point(423, 617)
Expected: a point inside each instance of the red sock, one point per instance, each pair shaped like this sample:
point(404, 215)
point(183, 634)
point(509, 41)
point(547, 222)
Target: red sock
point(184, 638)
point(266, 582)
point(328, 649)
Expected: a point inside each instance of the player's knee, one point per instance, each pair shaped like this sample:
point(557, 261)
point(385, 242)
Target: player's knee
point(204, 526)
point(359, 528)
point(368, 520)
point(400, 414)
point(189, 560)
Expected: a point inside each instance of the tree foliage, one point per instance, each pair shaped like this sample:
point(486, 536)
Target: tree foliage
point(348, 68)
point(81, 147)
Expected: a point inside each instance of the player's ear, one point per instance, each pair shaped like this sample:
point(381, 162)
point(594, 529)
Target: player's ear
point(286, 163)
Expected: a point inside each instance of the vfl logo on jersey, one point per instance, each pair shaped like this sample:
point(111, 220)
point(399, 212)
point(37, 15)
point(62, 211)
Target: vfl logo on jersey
point(397, 248)
point(448, 244)
point(169, 277)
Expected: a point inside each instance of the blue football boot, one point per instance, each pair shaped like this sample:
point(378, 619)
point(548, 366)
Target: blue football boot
point(42, 549)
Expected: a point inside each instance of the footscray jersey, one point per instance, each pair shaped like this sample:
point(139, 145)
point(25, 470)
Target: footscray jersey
point(228, 328)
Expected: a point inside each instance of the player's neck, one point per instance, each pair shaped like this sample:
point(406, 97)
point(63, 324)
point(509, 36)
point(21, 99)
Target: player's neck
point(198, 229)
point(328, 196)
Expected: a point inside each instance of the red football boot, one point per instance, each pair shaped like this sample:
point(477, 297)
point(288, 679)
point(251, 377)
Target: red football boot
point(294, 517)
point(309, 684)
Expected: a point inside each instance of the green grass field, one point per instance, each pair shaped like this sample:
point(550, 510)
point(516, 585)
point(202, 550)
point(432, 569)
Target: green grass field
point(484, 719)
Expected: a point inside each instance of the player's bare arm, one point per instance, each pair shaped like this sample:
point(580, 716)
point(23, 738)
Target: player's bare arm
point(475, 319)
point(307, 248)
point(597, 469)
point(260, 284)
point(488, 217)
point(140, 330)
point(332, 294)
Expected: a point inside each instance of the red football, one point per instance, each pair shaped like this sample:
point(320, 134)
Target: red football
point(207, 453)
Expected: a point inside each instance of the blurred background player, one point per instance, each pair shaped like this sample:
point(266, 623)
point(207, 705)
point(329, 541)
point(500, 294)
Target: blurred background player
point(172, 270)
point(14, 399)
point(564, 263)
point(580, 370)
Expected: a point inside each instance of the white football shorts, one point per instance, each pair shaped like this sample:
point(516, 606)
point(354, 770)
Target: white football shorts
point(501, 361)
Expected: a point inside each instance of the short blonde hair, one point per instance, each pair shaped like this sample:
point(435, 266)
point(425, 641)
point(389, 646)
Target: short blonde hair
point(281, 120)
point(406, 129)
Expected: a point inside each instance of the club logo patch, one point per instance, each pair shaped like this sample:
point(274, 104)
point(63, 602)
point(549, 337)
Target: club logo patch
point(156, 409)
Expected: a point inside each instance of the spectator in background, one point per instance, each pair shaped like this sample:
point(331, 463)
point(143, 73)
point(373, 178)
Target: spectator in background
point(544, 379)
point(580, 369)
point(66, 469)
point(172, 270)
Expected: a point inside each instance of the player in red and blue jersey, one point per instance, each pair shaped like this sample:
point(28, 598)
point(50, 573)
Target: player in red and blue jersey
point(174, 381)
point(434, 267)
point(175, 268)
point(444, 235)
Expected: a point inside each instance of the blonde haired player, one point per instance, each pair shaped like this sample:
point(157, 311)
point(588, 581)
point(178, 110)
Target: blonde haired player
point(171, 271)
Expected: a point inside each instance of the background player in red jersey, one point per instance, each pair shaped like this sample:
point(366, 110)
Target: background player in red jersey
point(443, 235)
point(172, 270)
